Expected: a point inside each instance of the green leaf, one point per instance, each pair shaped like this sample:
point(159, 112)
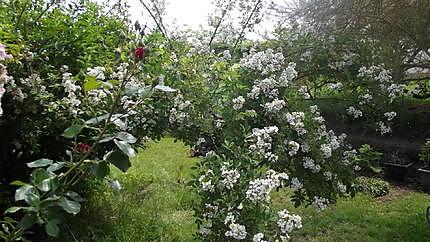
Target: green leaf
point(28, 220)
point(22, 192)
point(40, 163)
point(101, 169)
point(49, 184)
point(56, 166)
point(91, 83)
point(69, 206)
point(18, 183)
point(38, 175)
point(125, 147)
point(13, 209)
point(52, 228)
point(98, 119)
point(118, 159)
point(376, 169)
point(75, 196)
point(127, 137)
point(72, 131)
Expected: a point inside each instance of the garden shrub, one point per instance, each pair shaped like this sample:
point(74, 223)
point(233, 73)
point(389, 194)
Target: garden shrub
point(371, 186)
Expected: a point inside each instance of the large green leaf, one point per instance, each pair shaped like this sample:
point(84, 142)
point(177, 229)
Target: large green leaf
point(72, 131)
point(98, 119)
point(101, 169)
point(13, 209)
point(52, 228)
point(91, 83)
point(40, 163)
point(118, 159)
point(125, 147)
point(69, 206)
point(126, 137)
point(29, 220)
point(22, 192)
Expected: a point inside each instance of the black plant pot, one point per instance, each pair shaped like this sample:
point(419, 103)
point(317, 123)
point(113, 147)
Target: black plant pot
point(425, 178)
point(397, 172)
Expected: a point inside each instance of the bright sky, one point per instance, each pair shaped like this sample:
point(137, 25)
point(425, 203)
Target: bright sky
point(191, 13)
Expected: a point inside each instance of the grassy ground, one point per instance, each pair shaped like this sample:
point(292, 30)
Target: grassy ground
point(155, 205)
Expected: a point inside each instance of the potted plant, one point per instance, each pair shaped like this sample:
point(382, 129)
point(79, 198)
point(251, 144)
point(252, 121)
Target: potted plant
point(397, 168)
point(424, 172)
point(369, 159)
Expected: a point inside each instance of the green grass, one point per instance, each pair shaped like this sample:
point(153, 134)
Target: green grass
point(156, 205)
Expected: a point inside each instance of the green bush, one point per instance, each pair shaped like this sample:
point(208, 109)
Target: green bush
point(374, 187)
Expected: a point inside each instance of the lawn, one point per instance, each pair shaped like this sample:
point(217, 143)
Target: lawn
point(156, 205)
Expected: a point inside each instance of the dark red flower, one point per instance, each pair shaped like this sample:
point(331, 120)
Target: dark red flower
point(139, 53)
point(83, 148)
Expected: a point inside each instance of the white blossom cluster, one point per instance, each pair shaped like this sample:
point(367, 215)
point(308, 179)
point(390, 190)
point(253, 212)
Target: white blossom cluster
point(390, 115)
point(98, 72)
point(293, 147)
point(288, 222)
point(365, 99)
point(238, 103)
point(288, 75)
point(230, 176)
point(296, 121)
point(275, 106)
point(258, 238)
point(71, 100)
point(321, 203)
point(4, 78)
point(383, 128)
point(341, 187)
point(303, 90)
point(296, 184)
point(237, 231)
point(210, 211)
point(264, 61)
point(346, 60)
point(179, 112)
point(326, 150)
point(259, 189)
point(206, 183)
point(262, 142)
point(266, 87)
point(335, 86)
point(309, 163)
point(355, 113)
point(395, 90)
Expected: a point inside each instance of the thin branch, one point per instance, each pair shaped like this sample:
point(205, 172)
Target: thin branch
point(246, 25)
point(224, 12)
point(153, 17)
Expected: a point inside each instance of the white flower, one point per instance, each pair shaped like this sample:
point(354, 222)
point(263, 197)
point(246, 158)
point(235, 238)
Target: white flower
point(341, 187)
point(296, 184)
point(258, 238)
point(288, 75)
point(97, 72)
point(309, 163)
point(259, 189)
point(335, 86)
point(236, 231)
point(355, 113)
point(200, 141)
point(321, 203)
point(294, 148)
point(383, 128)
point(275, 106)
point(326, 150)
point(238, 103)
point(390, 115)
point(265, 61)
point(230, 218)
point(3, 55)
point(288, 222)
point(231, 176)
point(303, 90)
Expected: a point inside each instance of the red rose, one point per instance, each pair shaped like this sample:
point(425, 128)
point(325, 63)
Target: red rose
point(139, 53)
point(83, 148)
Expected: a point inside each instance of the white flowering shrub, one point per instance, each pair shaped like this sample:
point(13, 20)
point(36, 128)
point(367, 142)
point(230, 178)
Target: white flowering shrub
point(267, 141)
